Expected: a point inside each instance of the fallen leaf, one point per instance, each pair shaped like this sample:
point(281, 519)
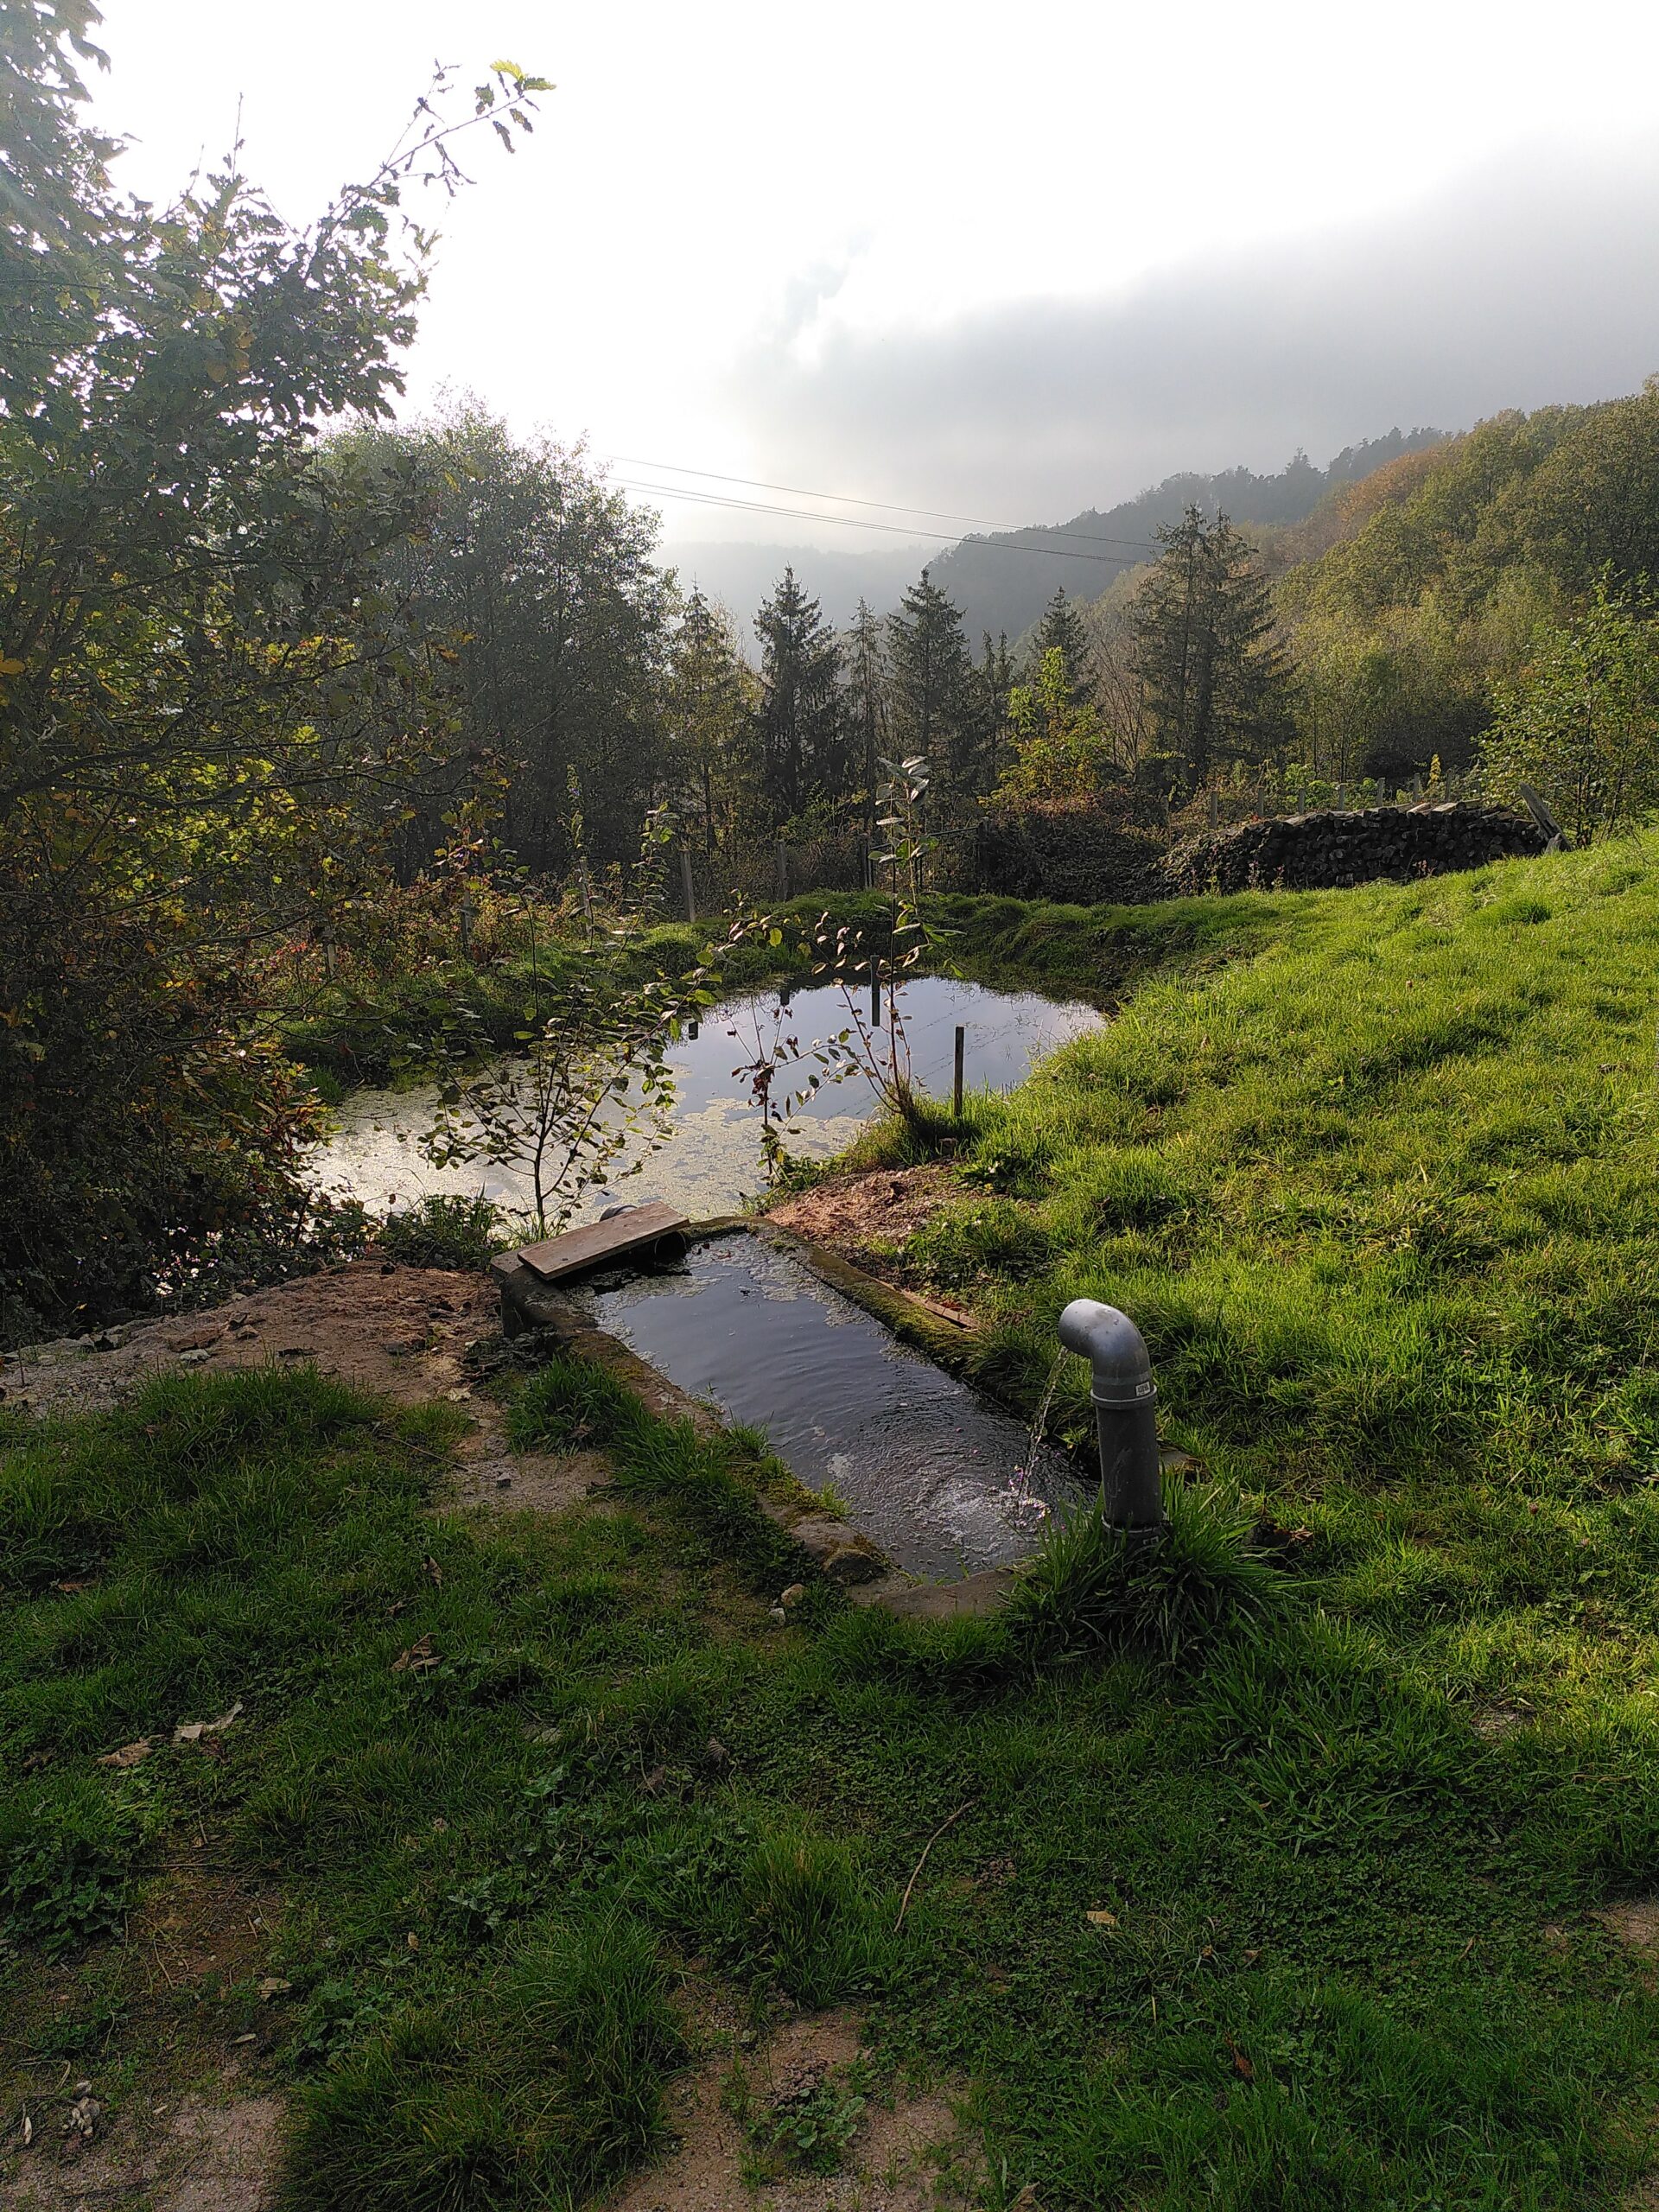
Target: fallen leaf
point(192, 1732)
point(1241, 2065)
point(69, 1589)
point(651, 1782)
point(28, 2131)
point(412, 1940)
point(458, 1396)
point(130, 1754)
point(435, 1573)
point(1101, 1919)
point(419, 1656)
point(273, 1985)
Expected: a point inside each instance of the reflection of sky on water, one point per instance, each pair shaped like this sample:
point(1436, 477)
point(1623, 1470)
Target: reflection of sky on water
point(712, 1157)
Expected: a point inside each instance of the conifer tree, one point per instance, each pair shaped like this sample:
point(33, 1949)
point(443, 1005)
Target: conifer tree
point(994, 680)
point(1062, 630)
point(800, 710)
point(932, 688)
point(709, 710)
point(1216, 681)
point(867, 705)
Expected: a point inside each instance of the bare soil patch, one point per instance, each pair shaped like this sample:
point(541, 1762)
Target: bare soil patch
point(204, 2153)
point(907, 2155)
point(867, 1216)
point(1635, 1921)
point(395, 1331)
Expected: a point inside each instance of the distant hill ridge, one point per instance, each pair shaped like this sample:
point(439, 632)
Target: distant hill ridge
point(999, 591)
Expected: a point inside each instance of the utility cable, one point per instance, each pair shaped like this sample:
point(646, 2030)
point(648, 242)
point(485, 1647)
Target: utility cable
point(889, 507)
point(721, 500)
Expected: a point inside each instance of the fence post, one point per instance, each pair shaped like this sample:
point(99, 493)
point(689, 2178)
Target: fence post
point(956, 1085)
point(1213, 807)
point(1342, 799)
point(328, 950)
point(864, 882)
point(466, 911)
point(783, 872)
point(685, 878)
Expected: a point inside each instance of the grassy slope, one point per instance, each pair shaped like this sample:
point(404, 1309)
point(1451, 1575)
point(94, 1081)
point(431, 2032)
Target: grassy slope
point(1383, 1198)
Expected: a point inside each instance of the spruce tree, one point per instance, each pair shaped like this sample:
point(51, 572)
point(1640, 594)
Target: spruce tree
point(994, 680)
point(1216, 681)
point(1062, 630)
point(866, 704)
point(800, 710)
point(708, 701)
point(932, 688)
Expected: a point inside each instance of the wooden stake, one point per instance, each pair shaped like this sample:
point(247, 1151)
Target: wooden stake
point(685, 878)
point(955, 1087)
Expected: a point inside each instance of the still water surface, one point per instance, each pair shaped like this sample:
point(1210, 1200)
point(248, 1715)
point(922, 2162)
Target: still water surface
point(712, 1158)
point(943, 1482)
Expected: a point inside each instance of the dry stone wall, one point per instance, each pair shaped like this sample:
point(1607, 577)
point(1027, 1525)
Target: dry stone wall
point(1329, 851)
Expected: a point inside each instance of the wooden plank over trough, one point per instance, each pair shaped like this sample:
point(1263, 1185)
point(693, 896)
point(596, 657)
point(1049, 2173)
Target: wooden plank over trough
point(639, 1229)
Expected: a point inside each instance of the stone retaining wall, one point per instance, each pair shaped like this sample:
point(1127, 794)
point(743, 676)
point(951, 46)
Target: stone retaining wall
point(1330, 851)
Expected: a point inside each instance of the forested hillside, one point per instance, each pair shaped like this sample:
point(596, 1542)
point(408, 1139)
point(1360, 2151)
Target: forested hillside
point(1001, 589)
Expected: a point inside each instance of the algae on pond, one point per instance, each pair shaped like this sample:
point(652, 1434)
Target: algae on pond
point(711, 1160)
point(943, 1482)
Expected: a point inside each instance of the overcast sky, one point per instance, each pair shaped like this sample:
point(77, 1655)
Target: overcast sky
point(1006, 262)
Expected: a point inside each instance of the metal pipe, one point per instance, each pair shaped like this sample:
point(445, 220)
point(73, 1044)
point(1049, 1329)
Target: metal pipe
point(1125, 1400)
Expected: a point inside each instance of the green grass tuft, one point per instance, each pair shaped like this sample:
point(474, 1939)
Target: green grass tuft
point(442, 1231)
point(1091, 1591)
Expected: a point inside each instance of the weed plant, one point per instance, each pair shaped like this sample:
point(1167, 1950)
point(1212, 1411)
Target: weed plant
point(445, 1231)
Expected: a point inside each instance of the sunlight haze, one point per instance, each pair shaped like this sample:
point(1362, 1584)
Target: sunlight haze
point(743, 235)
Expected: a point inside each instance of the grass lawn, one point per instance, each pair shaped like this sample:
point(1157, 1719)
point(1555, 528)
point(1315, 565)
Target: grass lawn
point(1307, 1918)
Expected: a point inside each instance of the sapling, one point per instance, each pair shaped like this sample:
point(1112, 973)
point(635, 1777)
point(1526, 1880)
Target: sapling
point(591, 1082)
point(867, 1044)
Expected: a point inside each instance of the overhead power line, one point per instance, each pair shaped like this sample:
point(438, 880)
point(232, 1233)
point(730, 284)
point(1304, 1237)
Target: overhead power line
point(731, 505)
point(887, 506)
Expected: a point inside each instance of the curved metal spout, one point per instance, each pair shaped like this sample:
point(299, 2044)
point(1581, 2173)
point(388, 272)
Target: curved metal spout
point(1125, 1400)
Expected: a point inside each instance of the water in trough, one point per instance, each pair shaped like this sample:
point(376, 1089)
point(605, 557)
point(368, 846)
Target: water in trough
point(943, 1482)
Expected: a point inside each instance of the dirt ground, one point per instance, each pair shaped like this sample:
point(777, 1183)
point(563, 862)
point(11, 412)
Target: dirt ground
point(401, 1331)
point(861, 1215)
point(908, 2154)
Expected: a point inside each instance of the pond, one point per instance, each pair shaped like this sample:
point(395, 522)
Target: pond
point(943, 1483)
point(712, 1160)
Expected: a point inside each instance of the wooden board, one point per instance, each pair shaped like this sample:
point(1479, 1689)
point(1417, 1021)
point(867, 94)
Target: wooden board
point(601, 1240)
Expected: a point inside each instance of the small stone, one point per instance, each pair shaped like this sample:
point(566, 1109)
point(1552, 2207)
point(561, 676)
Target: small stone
point(852, 1563)
point(503, 1482)
point(794, 1594)
point(196, 1358)
point(777, 1613)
